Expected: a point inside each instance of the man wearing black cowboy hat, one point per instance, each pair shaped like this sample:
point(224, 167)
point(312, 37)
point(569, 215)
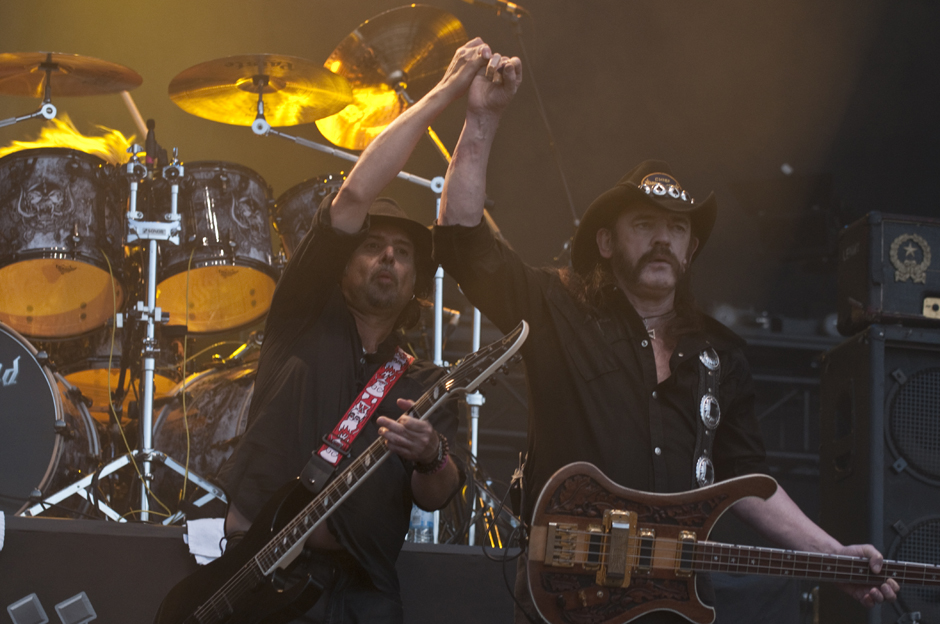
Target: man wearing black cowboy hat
point(353, 281)
point(623, 370)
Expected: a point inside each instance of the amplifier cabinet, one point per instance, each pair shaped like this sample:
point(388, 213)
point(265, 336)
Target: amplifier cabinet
point(889, 272)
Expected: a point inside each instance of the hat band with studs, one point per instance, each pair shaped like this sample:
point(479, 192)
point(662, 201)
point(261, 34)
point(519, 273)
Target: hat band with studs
point(662, 184)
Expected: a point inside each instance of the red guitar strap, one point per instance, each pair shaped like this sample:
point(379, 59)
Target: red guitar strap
point(336, 444)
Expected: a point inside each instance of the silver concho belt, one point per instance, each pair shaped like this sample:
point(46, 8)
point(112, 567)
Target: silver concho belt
point(709, 416)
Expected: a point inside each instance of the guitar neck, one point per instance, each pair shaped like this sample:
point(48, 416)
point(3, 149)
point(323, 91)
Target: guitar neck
point(717, 557)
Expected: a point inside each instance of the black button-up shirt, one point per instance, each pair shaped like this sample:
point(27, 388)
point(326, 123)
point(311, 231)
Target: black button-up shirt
point(593, 389)
point(312, 366)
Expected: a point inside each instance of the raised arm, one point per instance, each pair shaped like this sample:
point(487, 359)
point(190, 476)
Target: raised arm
point(465, 185)
point(385, 157)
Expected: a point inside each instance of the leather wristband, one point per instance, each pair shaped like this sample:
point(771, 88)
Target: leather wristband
point(439, 462)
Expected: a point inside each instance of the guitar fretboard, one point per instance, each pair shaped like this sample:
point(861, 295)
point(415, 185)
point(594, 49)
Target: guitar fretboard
point(717, 557)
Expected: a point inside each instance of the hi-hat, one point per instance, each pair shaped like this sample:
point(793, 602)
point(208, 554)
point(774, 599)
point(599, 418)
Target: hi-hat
point(404, 49)
point(295, 90)
point(24, 73)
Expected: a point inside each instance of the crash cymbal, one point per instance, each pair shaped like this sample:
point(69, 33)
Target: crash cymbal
point(296, 91)
point(409, 47)
point(24, 73)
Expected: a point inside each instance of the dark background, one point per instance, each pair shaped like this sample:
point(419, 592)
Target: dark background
point(844, 92)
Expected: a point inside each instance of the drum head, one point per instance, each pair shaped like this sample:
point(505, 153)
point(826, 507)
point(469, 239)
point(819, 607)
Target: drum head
point(29, 403)
point(47, 297)
point(220, 297)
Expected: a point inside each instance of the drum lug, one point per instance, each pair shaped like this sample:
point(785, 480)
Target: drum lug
point(76, 237)
point(43, 358)
point(62, 429)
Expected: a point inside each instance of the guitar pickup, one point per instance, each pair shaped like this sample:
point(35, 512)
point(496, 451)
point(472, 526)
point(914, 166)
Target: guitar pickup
point(647, 539)
point(685, 553)
point(621, 530)
point(561, 544)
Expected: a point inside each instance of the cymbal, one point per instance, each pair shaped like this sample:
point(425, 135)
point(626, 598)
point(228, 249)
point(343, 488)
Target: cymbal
point(296, 91)
point(405, 48)
point(24, 73)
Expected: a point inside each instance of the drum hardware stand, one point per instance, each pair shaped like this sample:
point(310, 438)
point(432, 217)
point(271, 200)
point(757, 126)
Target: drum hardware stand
point(151, 231)
point(47, 109)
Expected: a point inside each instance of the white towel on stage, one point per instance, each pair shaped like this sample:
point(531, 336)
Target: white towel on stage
point(205, 537)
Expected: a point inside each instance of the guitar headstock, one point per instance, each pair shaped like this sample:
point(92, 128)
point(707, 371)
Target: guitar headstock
point(471, 371)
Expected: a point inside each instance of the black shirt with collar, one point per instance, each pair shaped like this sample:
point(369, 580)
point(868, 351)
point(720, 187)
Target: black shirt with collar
point(312, 366)
point(593, 390)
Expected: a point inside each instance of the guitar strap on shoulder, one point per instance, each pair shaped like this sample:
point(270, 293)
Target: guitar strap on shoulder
point(709, 416)
point(337, 443)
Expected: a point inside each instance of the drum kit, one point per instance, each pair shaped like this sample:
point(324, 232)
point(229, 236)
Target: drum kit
point(106, 269)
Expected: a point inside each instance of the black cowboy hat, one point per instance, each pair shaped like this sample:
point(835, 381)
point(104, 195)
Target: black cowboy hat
point(387, 210)
point(651, 182)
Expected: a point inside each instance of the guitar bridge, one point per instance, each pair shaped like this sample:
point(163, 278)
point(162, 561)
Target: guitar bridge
point(621, 548)
point(561, 544)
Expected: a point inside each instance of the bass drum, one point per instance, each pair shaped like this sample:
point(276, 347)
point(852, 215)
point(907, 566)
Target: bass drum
point(48, 440)
point(216, 416)
point(222, 275)
point(61, 242)
point(294, 209)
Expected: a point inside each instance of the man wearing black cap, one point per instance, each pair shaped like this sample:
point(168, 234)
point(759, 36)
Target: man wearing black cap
point(354, 280)
point(623, 371)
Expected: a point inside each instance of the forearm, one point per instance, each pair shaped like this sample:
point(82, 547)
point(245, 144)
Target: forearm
point(432, 491)
point(465, 183)
point(781, 521)
point(383, 159)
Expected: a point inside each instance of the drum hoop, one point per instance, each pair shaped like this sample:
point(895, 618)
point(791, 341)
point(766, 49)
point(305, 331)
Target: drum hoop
point(217, 165)
point(53, 253)
point(297, 189)
point(250, 263)
point(55, 151)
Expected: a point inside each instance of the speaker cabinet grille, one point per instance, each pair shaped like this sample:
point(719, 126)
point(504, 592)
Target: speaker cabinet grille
point(915, 421)
point(920, 544)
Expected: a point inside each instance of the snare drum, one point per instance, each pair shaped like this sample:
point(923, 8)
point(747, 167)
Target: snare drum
point(48, 439)
point(217, 414)
point(222, 275)
point(294, 209)
point(61, 242)
point(93, 365)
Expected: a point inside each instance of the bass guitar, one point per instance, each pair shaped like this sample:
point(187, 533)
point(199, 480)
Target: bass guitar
point(600, 553)
point(244, 586)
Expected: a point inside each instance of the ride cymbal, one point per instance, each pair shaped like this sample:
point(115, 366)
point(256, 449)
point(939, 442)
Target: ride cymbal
point(296, 91)
point(24, 73)
point(404, 49)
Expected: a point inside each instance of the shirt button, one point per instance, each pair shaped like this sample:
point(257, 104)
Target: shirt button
point(362, 360)
point(645, 343)
point(681, 354)
point(654, 394)
point(658, 451)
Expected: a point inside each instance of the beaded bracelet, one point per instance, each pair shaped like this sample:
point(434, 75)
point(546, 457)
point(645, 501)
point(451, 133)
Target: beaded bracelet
point(439, 462)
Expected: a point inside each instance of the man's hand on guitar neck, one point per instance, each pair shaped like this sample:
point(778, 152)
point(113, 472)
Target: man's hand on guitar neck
point(416, 440)
point(868, 596)
point(780, 520)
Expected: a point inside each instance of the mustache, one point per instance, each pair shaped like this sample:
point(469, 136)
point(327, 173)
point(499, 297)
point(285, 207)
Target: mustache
point(660, 255)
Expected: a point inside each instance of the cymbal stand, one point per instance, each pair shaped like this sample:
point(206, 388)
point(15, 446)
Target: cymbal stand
point(47, 109)
point(144, 312)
